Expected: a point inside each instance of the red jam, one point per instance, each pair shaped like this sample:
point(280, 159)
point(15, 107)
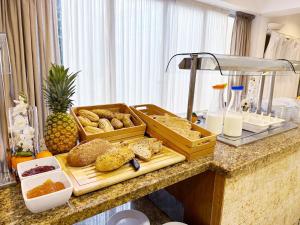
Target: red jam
point(37, 170)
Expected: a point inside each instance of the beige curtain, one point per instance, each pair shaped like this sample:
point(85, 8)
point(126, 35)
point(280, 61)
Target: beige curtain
point(31, 28)
point(240, 44)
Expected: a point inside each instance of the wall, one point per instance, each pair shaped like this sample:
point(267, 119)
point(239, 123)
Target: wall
point(268, 196)
point(291, 24)
point(265, 7)
point(258, 36)
point(279, 7)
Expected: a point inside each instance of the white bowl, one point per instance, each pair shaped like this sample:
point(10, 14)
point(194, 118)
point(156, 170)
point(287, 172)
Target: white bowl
point(47, 161)
point(49, 201)
point(129, 217)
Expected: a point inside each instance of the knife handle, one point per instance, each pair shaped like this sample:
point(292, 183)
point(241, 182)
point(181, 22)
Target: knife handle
point(135, 164)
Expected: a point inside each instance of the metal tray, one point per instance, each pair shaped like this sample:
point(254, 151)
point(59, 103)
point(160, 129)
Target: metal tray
point(249, 137)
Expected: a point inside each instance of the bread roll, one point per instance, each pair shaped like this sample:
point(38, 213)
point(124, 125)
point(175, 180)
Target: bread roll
point(86, 122)
point(127, 122)
point(104, 113)
point(117, 124)
point(88, 114)
point(85, 154)
point(105, 125)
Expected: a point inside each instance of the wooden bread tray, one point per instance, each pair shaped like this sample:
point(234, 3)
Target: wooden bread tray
point(137, 130)
point(192, 149)
point(87, 179)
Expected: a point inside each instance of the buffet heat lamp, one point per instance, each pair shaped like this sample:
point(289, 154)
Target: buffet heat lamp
point(6, 176)
point(229, 65)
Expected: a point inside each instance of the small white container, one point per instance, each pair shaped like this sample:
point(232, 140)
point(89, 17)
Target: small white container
point(47, 161)
point(256, 128)
point(259, 123)
point(49, 201)
point(276, 122)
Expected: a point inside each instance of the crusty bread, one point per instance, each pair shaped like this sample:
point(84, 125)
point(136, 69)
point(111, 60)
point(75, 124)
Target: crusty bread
point(114, 158)
point(141, 150)
point(190, 134)
point(145, 148)
point(179, 125)
point(85, 154)
point(156, 147)
point(172, 121)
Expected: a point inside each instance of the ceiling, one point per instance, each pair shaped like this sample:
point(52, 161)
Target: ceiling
point(268, 8)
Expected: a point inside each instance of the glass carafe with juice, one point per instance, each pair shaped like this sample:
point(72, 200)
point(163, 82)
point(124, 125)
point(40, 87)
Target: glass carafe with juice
point(233, 122)
point(215, 114)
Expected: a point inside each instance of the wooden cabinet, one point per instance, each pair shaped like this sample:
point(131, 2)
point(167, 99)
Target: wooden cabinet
point(202, 198)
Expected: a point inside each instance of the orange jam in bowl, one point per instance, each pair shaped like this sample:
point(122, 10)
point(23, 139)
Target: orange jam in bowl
point(46, 188)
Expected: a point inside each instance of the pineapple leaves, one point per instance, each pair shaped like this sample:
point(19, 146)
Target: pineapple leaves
point(59, 88)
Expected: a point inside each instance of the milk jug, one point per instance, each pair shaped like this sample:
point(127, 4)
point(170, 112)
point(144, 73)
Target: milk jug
point(233, 122)
point(215, 114)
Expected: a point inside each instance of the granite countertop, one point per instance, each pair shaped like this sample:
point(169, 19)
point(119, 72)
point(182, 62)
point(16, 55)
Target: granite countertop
point(14, 211)
point(226, 160)
point(232, 161)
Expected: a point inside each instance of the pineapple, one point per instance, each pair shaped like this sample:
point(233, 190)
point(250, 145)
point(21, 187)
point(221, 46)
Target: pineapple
point(60, 132)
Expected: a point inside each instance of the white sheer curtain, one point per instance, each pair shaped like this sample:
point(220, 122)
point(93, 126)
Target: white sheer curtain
point(280, 47)
point(122, 49)
point(193, 28)
point(139, 30)
point(87, 40)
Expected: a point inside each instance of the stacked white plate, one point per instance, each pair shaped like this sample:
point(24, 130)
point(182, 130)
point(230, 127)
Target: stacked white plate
point(129, 217)
point(133, 217)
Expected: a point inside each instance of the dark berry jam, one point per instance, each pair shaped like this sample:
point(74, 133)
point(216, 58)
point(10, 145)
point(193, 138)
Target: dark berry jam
point(37, 170)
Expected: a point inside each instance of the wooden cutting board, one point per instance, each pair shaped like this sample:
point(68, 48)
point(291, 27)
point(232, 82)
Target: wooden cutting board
point(87, 179)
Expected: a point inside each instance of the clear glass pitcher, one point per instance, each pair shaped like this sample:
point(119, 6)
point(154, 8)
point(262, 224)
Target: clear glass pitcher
point(233, 122)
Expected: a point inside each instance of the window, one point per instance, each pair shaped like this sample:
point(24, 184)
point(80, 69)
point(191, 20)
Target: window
point(122, 49)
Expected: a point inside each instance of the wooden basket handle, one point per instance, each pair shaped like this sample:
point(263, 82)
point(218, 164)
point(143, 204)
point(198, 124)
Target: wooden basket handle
point(142, 106)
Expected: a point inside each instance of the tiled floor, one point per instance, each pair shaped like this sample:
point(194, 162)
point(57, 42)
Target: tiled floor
point(155, 215)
